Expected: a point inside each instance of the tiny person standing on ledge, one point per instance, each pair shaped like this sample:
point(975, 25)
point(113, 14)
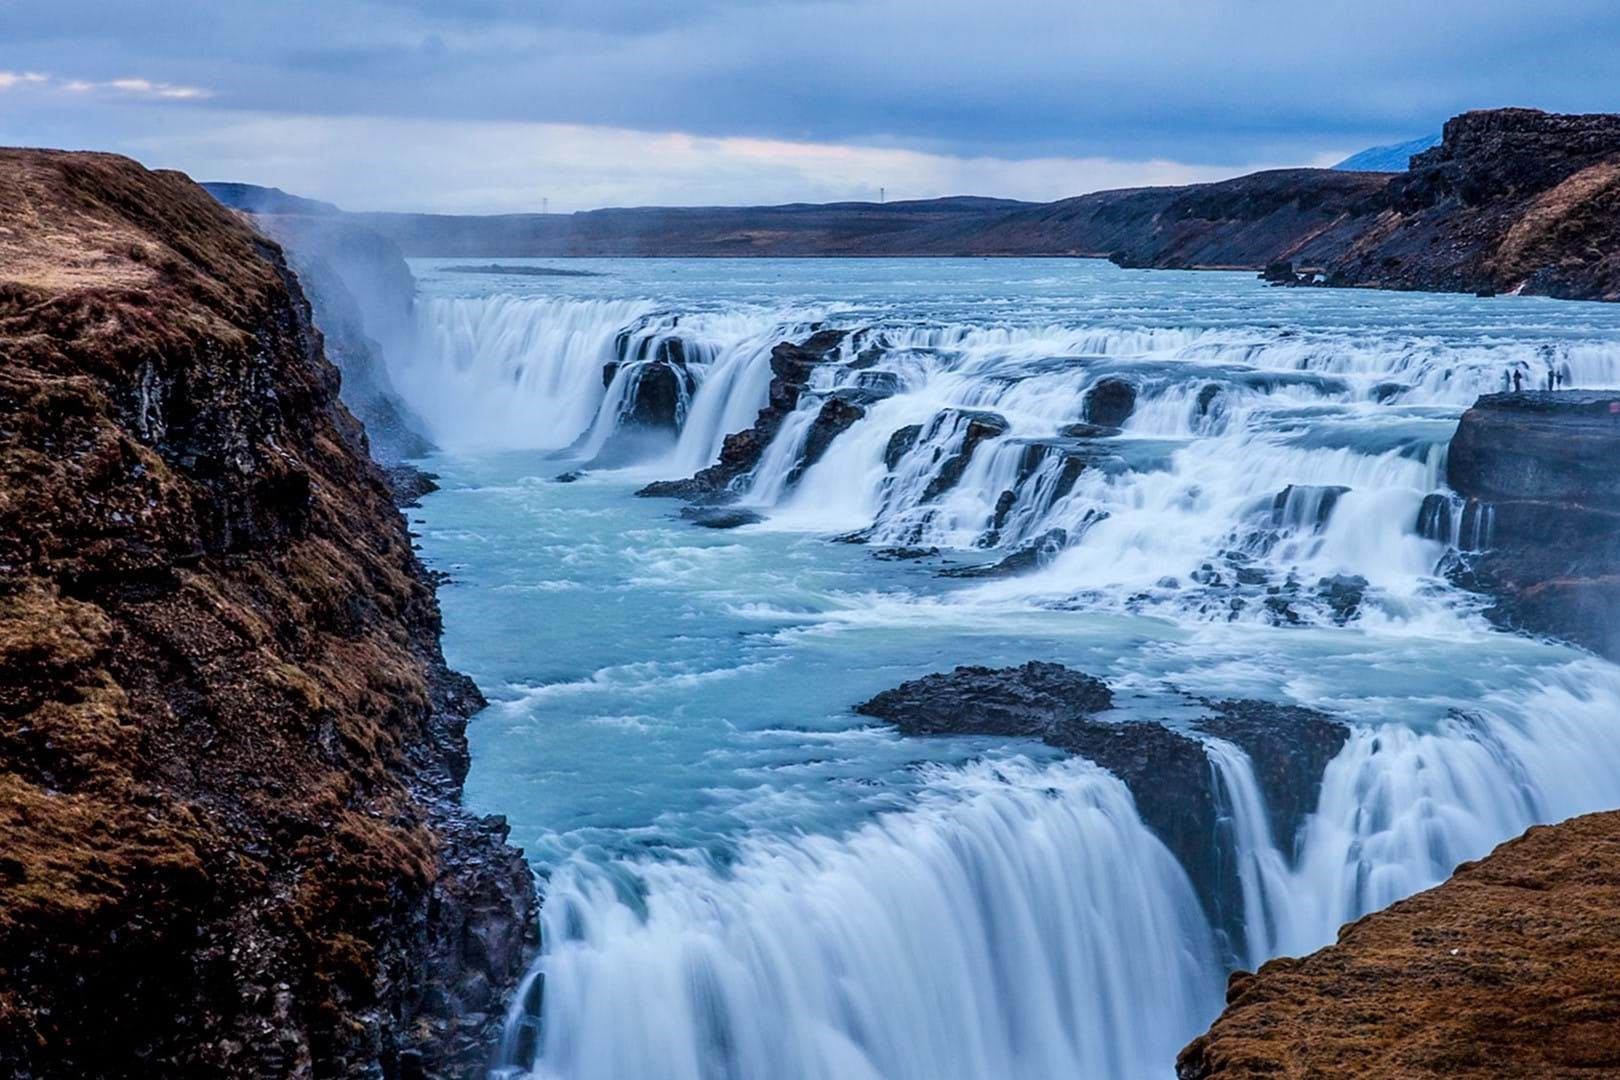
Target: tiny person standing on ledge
point(1518, 381)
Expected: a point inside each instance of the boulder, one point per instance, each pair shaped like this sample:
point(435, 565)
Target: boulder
point(1110, 402)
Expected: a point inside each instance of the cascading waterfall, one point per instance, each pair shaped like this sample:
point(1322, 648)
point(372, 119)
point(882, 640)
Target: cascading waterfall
point(1020, 922)
point(1018, 919)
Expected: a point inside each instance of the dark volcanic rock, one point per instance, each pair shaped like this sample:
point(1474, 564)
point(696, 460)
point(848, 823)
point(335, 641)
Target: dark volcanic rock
point(231, 754)
point(1167, 770)
point(791, 366)
point(1110, 402)
point(1543, 497)
point(836, 416)
point(980, 427)
point(1034, 700)
point(1087, 431)
point(1343, 594)
point(905, 554)
point(1028, 556)
point(900, 444)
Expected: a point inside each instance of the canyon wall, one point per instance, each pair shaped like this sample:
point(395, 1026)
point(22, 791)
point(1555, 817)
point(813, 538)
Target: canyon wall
point(231, 753)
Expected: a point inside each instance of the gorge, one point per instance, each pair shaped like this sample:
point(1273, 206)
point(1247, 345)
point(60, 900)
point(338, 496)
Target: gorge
point(887, 667)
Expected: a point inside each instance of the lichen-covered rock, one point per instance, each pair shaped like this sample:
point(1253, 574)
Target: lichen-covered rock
point(1509, 969)
point(230, 752)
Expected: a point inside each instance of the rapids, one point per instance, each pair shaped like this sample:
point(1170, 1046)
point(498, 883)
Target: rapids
point(742, 879)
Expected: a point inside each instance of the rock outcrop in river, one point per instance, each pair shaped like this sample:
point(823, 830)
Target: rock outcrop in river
point(231, 754)
point(1539, 473)
point(1164, 765)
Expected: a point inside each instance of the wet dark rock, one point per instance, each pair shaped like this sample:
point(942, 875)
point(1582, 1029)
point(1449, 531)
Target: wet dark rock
point(1386, 392)
point(721, 517)
point(1087, 431)
point(900, 444)
point(1305, 506)
point(981, 427)
point(1435, 518)
point(905, 554)
point(1167, 769)
point(882, 384)
point(1035, 700)
point(836, 416)
point(1031, 555)
point(1543, 500)
point(408, 484)
point(1209, 400)
point(791, 366)
point(1279, 273)
point(1342, 593)
point(568, 477)
point(1110, 402)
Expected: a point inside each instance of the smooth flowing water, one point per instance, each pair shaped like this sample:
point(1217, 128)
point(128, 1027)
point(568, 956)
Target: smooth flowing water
point(744, 879)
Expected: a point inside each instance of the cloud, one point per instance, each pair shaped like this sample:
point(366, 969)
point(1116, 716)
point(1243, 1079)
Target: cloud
point(127, 87)
point(493, 167)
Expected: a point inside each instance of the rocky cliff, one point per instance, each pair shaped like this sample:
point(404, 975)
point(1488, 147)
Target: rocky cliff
point(230, 751)
point(1505, 971)
point(1539, 473)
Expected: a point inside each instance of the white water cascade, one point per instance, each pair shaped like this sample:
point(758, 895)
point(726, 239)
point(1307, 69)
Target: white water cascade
point(1019, 923)
point(1019, 920)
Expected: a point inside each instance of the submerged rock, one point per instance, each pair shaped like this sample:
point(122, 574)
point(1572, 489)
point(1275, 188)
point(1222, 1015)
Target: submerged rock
point(721, 517)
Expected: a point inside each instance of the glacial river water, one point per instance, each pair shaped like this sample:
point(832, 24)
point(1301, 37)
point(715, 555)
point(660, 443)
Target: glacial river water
point(743, 879)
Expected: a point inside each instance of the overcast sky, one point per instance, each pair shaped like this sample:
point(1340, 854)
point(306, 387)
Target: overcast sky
point(494, 105)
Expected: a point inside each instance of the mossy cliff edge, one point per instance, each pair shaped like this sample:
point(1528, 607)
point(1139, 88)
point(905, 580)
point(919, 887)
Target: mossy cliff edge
point(230, 751)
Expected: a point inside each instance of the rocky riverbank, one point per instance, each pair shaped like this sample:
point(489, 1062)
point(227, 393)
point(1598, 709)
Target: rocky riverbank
point(1543, 512)
point(1505, 971)
point(231, 754)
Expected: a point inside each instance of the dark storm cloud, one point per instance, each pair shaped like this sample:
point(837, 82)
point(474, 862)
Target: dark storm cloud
point(1214, 81)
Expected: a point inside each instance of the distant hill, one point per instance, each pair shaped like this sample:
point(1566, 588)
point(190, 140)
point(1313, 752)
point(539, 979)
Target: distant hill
point(1393, 158)
point(1509, 199)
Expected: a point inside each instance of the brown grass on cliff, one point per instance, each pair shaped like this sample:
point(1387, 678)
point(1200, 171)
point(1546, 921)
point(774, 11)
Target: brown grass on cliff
point(212, 644)
point(1508, 970)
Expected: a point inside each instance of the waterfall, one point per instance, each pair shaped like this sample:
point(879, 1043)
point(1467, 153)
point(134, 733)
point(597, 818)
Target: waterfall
point(1019, 922)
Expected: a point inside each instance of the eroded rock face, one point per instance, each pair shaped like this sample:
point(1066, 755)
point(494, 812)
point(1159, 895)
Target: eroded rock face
point(1165, 767)
point(1544, 507)
point(1509, 969)
point(791, 366)
point(231, 754)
